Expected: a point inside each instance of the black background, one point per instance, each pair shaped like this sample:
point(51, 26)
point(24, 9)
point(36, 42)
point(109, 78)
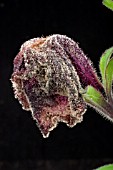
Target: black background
point(87, 22)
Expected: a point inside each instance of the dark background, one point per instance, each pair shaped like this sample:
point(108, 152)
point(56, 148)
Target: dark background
point(90, 24)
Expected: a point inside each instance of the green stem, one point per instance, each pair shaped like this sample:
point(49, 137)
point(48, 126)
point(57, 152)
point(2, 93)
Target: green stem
point(105, 111)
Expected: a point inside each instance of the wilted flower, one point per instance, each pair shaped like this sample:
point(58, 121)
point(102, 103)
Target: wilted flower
point(50, 75)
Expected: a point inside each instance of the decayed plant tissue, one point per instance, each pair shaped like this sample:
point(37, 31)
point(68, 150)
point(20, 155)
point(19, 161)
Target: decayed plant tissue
point(48, 79)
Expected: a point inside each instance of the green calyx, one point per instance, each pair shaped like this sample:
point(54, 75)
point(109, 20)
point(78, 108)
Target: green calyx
point(103, 103)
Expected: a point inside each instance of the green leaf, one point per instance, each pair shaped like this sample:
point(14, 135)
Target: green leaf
point(95, 99)
point(108, 4)
point(106, 167)
point(109, 79)
point(104, 62)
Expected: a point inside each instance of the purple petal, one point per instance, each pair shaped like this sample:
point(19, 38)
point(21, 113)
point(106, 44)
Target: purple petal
point(48, 74)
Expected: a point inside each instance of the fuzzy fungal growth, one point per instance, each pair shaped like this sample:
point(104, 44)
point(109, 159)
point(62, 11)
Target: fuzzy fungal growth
point(47, 78)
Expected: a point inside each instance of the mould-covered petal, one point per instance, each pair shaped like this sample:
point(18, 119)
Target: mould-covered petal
point(48, 83)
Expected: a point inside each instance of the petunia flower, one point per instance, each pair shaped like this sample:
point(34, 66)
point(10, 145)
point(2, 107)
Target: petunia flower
point(54, 79)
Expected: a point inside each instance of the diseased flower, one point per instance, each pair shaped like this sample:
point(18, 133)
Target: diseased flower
point(50, 75)
point(46, 83)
